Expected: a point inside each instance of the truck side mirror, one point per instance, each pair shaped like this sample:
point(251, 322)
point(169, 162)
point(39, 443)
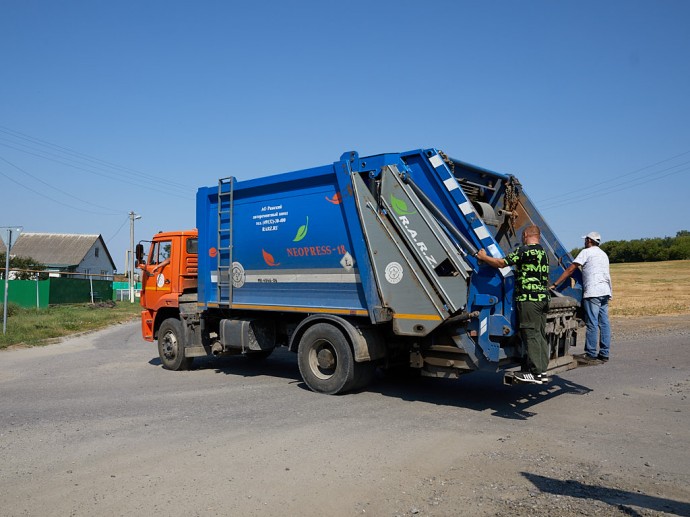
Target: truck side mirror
point(139, 253)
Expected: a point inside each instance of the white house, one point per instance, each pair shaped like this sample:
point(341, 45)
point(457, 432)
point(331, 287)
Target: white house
point(64, 252)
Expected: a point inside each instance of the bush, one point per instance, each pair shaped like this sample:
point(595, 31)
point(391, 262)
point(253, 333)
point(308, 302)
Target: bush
point(12, 309)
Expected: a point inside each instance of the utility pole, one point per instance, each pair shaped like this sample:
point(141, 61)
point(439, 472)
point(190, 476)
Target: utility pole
point(7, 239)
point(132, 218)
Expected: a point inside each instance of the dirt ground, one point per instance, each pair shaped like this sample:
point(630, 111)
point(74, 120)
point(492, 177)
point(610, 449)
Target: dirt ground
point(621, 448)
point(95, 426)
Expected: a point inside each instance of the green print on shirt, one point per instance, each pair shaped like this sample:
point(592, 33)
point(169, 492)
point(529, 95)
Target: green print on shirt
point(532, 278)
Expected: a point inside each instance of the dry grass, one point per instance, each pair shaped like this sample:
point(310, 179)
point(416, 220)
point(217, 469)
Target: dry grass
point(651, 288)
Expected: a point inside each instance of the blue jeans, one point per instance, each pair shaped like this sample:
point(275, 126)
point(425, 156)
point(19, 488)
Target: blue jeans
point(597, 315)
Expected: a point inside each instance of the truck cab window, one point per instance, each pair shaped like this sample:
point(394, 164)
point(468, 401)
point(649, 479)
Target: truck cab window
point(161, 252)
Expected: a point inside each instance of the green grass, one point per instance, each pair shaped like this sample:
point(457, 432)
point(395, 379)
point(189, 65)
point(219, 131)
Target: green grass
point(30, 327)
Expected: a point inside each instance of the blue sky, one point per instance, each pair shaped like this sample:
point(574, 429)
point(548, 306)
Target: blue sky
point(107, 107)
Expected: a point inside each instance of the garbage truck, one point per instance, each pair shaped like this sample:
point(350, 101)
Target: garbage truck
point(366, 263)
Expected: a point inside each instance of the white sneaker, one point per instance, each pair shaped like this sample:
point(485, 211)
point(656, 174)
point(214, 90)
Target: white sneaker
point(527, 377)
point(543, 378)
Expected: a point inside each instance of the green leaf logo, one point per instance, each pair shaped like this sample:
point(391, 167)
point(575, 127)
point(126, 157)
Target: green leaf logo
point(400, 206)
point(301, 232)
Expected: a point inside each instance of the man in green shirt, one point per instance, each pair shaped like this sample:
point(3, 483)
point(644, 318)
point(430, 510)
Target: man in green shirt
point(532, 299)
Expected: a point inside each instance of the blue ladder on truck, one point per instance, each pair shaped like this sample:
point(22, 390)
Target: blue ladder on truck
point(225, 202)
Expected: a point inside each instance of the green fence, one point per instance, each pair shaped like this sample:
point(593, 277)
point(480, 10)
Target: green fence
point(41, 293)
point(26, 292)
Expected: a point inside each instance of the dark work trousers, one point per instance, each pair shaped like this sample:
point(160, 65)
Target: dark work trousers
point(532, 318)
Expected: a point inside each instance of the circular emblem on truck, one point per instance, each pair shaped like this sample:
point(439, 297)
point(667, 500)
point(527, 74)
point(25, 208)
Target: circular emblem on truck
point(160, 280)
point(237, 275)
point(394, 273)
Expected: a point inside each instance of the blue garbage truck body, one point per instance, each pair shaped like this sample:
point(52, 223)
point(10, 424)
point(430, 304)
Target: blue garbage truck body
point(365, 263)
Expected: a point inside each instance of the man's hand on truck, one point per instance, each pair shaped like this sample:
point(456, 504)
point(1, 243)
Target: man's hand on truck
point(491, 261)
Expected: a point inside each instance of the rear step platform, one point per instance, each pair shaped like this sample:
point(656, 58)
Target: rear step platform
point(561, 364)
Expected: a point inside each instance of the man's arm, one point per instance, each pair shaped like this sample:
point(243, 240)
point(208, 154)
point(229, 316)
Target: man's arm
point(566, 274)
point(498, 263)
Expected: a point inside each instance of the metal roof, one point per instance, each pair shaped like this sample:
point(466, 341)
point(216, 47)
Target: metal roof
point(56, 249)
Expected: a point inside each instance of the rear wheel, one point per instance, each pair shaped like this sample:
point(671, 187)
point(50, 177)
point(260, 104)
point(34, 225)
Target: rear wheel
point(327, 363)
point(171, 346)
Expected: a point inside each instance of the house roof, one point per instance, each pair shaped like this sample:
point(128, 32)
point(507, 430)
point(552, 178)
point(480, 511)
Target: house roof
point(56, 249)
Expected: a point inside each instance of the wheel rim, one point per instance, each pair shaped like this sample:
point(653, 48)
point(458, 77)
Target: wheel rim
point(323, 359)
point(170, 346)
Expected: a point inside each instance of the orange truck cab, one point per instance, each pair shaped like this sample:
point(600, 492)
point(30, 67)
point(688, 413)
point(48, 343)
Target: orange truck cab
point(169, 278)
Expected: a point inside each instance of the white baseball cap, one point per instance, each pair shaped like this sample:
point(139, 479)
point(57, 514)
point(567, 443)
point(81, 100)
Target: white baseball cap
point(593, 236)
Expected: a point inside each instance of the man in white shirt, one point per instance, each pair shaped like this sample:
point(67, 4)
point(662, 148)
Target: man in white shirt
point(596, 280)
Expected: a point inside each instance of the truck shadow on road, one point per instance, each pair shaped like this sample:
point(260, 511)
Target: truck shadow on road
point(480, 391)
point(622, 499)
point(280, 364)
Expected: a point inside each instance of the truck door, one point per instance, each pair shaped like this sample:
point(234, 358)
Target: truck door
point(159, 273)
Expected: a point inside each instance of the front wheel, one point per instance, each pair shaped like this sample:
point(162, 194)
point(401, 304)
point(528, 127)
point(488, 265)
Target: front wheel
point(326, 361)
point(171, 346)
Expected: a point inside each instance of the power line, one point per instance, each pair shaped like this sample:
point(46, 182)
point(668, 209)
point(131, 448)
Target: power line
point(105, 174)
point(568, 195)
point(54, 187)
point(48, 197)
point(89, 164)
point(118, 230)
point(613, 189)
point(132, 172)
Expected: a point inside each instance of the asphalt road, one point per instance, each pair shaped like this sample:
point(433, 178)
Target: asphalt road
point(95, 426)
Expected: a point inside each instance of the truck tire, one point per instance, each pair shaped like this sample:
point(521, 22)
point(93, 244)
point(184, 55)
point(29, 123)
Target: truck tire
point(326, 361)
point(171, 346)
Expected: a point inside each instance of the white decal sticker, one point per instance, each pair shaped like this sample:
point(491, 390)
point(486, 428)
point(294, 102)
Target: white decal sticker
point(436, 161)
point(493, 251)
point(238, 276)
point(481, 232)
point(160, 280)
point(347, 262)
point(466, 208)
point(451, 184)
point(394, 273)
point(484, 327)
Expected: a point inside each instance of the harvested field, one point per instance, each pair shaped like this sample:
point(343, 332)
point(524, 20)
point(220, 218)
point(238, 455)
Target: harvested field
point(651, 288)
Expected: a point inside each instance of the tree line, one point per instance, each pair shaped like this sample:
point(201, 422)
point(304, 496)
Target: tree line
point(647, 250)
point(24, 267)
